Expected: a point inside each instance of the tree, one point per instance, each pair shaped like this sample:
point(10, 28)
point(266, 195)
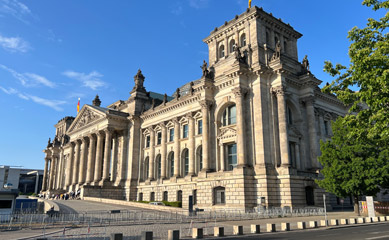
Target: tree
point(356, 160)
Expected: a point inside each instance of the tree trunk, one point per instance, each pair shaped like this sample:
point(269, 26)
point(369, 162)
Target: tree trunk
point(356, 205)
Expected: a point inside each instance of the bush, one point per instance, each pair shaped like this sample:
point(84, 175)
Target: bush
point(173, 204)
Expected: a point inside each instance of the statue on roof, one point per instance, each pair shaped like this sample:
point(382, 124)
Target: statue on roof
point(238, 54)
point(305, 63)
point(139, 80)
point(178, 94)
point(277, 53)
point(165, 99)
point(204, 67)
point(96, 102)
point(191, 89)
point(49, 143)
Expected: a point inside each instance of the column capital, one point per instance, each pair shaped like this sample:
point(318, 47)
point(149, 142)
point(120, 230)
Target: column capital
point(151, 129)
point(189, 115)
point(239, 91)
point(108, 130)
point(99, 133)
point(279, 90)
point(162, 125)
point(205, 103)
point(308, 100)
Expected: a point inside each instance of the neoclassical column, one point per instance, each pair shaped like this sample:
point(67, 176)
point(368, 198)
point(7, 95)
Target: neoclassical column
point(69, 166)
point(163, 151)
point(309, 101)
point(282, 125)
point(60, 169)
point(99, 157)
point(44, 181)
point(114, 158)
point(226, 50)
point(298, 160)
point(91, 159)
point(76, 163)
point(152, 154)
point(53, 166)
point(240, 129)
point(177, 154)
point(191, 144)
point(107, 154)
point(84, 145)
point(205, 104)
point(222, 160)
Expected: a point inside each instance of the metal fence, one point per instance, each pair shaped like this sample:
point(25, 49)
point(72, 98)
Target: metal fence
point(127, 217)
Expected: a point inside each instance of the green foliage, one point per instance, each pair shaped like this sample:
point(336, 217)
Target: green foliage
point(173, 204)
point(356, 160)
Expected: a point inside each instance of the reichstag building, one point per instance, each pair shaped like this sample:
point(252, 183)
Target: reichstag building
point(246, 134)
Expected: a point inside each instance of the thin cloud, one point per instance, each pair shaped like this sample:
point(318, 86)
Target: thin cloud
point(40, 79)
point(29, 79)
point(197, 4)
point(14, 44)
point(54, 104)
point(15, 9)
point(91, 80)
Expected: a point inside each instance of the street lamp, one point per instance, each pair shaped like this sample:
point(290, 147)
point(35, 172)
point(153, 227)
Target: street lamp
point(36, 180)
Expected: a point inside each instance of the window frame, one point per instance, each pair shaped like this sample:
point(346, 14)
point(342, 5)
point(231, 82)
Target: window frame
point(200, 127)
point(185, 131)
point(159, 138)
point(219, 191)
point(231, 156)
point(229, 117)
point(148, 141)
point(171, 134)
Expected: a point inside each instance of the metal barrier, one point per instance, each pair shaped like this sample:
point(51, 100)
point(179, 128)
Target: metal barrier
point(104, 218)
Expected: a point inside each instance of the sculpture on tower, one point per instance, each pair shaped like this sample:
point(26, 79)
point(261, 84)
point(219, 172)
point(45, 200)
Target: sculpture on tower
point(139, 80)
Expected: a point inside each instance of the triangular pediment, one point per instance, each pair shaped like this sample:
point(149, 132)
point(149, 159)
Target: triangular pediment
point(87, 116)
point(227, 132)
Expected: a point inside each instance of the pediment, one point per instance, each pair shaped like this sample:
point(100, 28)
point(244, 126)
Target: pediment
point(87, 116)
point(226, 133)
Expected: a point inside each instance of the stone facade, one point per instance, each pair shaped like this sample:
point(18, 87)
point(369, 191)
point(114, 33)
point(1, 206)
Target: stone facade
point(246, 134)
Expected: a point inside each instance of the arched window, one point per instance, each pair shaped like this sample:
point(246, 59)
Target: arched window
point(229, 115)
point(185, 161)
point(232, 45)
point(219, 196)
point(179, 196)
point(165, 196)
point(140, 198)
point(158, 161)
point(171, 164)
point(290, 115)
point(221, 51)
point(152, 196)
point(199, 157)
point(146, 165)
point(309, 195)
point(243, 40)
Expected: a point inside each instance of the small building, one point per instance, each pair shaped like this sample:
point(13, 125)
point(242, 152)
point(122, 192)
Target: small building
point(22, 180)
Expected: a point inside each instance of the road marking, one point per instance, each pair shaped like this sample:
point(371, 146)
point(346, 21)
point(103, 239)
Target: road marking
point(379, 237)
point(379, 232)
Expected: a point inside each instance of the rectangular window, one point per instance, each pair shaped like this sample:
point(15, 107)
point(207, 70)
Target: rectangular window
point(220, 195)
point(326, 128)
point(185, 131)
point(232, 115)
point(292, 153)
point(171, 134)
point(148, 141)
point(232, 160)
point(200, 127)
point(5, 204)
point(159, 138)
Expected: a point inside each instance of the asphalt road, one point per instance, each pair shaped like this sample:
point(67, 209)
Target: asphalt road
point(378, 231)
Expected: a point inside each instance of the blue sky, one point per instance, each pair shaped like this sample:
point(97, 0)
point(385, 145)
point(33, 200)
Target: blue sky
point(53, 52)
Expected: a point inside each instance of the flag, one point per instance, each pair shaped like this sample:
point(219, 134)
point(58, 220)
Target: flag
point(78, 105)
point(249, 3)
